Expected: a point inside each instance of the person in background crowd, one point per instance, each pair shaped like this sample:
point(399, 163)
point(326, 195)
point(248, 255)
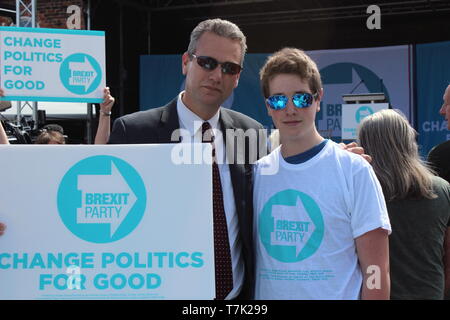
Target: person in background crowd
point(439, 156)
point(418, 204)
point(3, 140)
point(51, 134)
point(3, 136)
point(2, 228)
point(320, 217)
point(53, 137)
point(104, 123)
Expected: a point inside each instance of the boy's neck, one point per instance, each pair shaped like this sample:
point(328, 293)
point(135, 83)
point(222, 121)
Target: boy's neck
point(292, 147)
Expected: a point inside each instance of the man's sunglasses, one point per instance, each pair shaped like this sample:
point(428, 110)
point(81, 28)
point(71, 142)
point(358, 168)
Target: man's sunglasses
point(210, 64)
point(300, 100)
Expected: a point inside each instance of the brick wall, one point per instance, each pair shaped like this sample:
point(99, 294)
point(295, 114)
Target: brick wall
point(50, 13)
point(5, 20)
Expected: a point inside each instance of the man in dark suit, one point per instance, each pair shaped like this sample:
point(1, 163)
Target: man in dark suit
point(212, 67)
point(439, 156)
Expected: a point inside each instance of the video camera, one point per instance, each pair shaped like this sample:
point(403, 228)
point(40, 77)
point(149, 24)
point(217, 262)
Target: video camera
point(24, 132)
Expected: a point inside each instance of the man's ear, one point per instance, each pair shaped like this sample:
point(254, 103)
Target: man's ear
point(184, 62)
point(237, 80)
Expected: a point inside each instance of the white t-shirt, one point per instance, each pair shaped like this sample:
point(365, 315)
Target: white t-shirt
point(307, 217)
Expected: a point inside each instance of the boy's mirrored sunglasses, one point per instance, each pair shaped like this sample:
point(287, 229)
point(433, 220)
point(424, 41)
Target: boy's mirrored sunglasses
point(300, 100)
point(210, 64)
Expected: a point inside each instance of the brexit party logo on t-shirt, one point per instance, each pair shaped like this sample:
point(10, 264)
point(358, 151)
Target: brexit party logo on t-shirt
point(291, 226)
point(101, 199)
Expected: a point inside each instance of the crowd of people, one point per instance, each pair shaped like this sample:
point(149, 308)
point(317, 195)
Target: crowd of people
point(312, 219)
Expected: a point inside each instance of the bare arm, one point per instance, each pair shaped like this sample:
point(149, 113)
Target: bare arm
point(373, 254)
point(3, 136)
point(447, 262)
point(104, 124)
point(3, 140)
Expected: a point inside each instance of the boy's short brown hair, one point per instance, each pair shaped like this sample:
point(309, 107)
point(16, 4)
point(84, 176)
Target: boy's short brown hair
point(290, 61)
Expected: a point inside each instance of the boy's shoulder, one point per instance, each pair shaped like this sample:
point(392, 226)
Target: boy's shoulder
point(348, 157)
point(269, 158)
point(331, 152)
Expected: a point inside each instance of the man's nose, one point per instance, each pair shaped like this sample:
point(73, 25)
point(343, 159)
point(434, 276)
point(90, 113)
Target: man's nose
point(216, 74)
point(442, 110)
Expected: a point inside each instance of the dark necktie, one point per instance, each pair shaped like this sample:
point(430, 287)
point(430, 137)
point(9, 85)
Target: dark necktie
point(222, 255)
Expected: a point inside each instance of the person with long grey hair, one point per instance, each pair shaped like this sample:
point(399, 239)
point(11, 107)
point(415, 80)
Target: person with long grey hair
point(418, 204)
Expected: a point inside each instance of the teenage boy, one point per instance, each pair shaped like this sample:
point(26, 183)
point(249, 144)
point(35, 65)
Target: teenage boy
point(320, 215)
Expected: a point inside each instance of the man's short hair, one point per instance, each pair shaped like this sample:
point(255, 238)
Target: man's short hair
point(290, 61)
point(223, 28)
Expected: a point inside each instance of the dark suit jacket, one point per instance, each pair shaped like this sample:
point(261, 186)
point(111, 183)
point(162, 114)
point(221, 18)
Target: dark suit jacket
point(157, 126)
point(439, 157)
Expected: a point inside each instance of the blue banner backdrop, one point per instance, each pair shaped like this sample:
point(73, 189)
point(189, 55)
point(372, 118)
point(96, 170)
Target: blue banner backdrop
point(433, 76)
point(384, 69)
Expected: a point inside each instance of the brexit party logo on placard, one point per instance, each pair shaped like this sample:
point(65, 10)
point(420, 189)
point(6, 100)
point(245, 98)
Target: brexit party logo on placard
point(80, 73)
point(291, 226)
point(101, 199)
point(363, 112)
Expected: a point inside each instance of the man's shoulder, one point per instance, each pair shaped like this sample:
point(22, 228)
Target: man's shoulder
point(144, 126)
point(441, 150)
point(349, 162)
point(146, 116)
point(438, 182)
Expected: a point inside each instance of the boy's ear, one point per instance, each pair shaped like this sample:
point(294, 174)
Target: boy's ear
point(319, 99)
point(269, 110)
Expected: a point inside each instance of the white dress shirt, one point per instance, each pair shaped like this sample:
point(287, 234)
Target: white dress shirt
point(193, 124)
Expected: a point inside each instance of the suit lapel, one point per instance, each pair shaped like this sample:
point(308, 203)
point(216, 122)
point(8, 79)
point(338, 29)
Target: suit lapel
point(168, 123)
point(241, 180)
point(233, 152)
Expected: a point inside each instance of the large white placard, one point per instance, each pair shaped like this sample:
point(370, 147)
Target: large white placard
point(104, 222)
point(38, 64)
